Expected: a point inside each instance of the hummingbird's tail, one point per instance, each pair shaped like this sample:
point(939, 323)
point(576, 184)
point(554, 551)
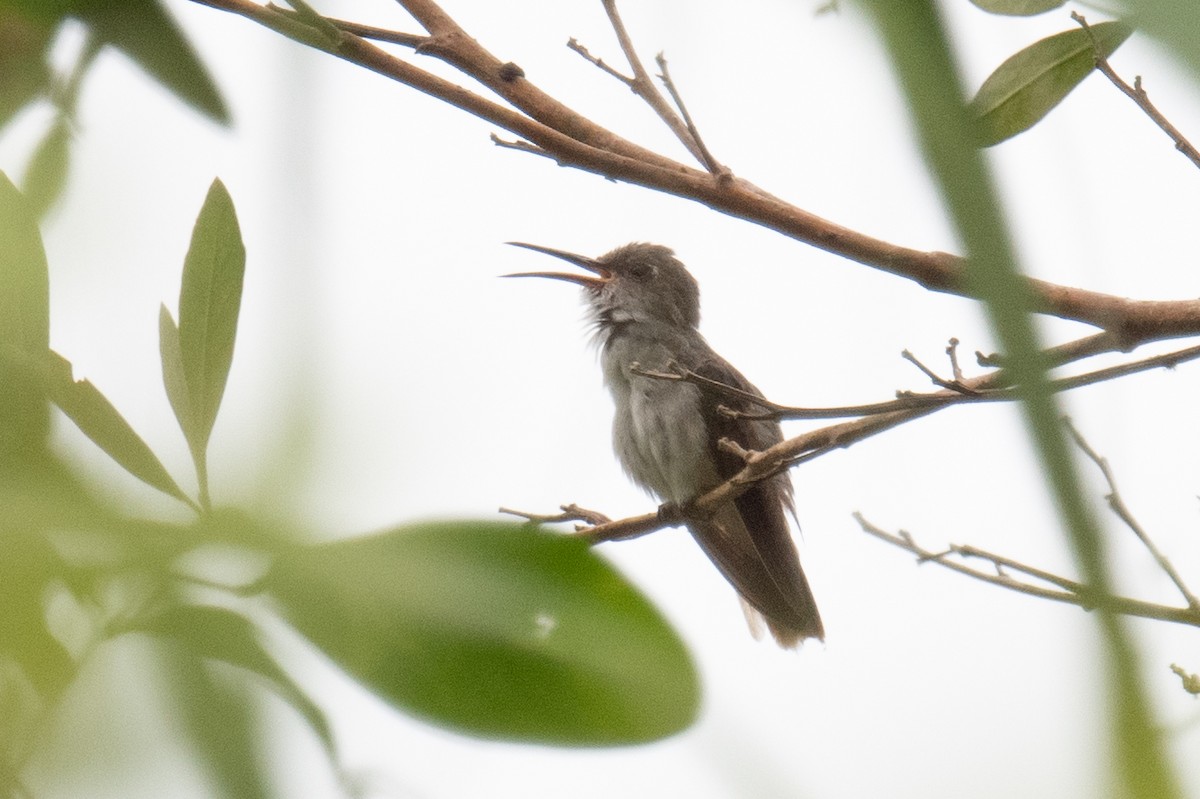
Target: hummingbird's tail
point(750, 543)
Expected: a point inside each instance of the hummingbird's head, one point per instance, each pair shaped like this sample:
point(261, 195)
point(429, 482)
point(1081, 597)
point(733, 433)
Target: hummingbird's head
point(633, 283)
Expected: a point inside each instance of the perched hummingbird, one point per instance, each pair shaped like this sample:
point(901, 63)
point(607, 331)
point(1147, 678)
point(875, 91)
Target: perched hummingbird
point(646, 310)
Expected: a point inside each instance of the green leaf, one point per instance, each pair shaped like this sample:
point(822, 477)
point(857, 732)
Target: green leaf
point(221, 634)
point(495, 630)
point(222, 721)
point(1018, 8)
point(174, 380)
point(144, 31)
point(1175, 23)
point(29, 566)
point(24, 75)
point(24, 326)
point(1025, 87)
point(91, 411)
point(46, 174)
point(209, 301)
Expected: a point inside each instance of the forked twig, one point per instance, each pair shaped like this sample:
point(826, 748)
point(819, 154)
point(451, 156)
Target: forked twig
point(710, 163)
point(1064, 589)
point(1118, 506)
point(1138, 95)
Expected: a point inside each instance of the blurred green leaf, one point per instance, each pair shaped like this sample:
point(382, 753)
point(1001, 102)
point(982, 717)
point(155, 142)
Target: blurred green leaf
point(24, 327)
point(1175, 23)
point(174, 379)
point(496, 630)
point(209, 300)
point(920, 50)
point(24, 276)
point(1027, 85)
point(1018, 8)
point(29, 566)
point(45, 12)
point(24, 74)
point(46, 174)
point(91, 411)
point(144, 31)
point(220, 717)
point(221, 634)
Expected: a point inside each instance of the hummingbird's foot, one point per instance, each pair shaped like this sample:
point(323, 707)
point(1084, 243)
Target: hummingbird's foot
point(672, 514)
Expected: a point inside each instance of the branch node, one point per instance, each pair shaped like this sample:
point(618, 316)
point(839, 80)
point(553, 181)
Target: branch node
point(1191, 682)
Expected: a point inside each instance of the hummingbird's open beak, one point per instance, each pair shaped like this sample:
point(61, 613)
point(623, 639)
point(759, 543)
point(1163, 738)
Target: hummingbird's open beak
point(603, 275)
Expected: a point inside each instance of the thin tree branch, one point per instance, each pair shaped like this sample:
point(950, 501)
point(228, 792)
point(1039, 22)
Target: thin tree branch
point(570, 513)
point(710, 163)
point(815, 443)
point(1191, 682)
point(522, 146)
point(413, 40)
point(1066, 591)
point(1138, 95)
point(574, 45)
point(579, 142)
point(990, 388)
point(641, 85)
point(957, 386)
point(1118, 506)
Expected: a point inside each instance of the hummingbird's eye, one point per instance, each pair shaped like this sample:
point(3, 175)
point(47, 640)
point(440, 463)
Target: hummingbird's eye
point(640, 270)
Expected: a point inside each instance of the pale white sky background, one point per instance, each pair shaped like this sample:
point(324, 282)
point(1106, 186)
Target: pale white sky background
point(380, 353)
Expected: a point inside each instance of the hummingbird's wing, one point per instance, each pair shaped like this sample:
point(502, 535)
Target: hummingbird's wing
point(750, 542)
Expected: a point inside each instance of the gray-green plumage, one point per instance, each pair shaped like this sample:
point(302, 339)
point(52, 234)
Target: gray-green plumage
point(646, 308)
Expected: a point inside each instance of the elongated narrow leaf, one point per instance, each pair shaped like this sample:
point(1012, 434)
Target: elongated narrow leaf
point(144, 31)
point(209, 301)
point(24, 325)
point(174, 380)
point(494, 630)
point(91, 411)
point(1018, 8)
point(222, 722)
point(923, 58)
point(221, 634)
point(1025, 87)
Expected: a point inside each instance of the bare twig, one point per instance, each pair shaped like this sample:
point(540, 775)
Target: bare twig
point(570, 513)
point(1065, 590)
point(1118, 506)
point(989, 388)
point(523, 146)
point(599, 63)
point(643, 86)
point(1191, 682)
point(1138, 95)
point(950, 385)
point(706, 157)
point(952, 354)
point(413, 40)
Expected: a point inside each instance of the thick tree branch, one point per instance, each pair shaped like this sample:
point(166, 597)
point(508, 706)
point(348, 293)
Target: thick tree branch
point(573, 140)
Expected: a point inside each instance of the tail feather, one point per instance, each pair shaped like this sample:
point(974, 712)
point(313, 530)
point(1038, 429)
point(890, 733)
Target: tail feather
point(772, 585)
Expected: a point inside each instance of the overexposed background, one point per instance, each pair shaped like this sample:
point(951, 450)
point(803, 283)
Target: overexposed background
point(381, 358)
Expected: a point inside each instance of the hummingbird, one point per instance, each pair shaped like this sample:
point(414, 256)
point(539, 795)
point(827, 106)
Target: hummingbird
point(645, 308)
